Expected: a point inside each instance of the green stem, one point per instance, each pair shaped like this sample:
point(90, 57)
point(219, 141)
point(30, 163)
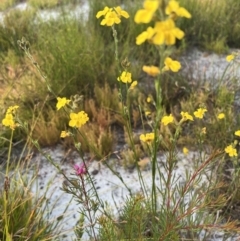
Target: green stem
point(6, 190)
point(116, 47)
point(158, 90)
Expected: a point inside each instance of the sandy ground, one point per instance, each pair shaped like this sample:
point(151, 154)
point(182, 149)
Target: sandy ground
point(109, 187)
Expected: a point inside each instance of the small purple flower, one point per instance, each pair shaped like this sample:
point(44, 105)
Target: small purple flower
point(80, 169)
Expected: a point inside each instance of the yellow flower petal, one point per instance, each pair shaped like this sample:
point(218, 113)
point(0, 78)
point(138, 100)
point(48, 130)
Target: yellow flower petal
point(134, 84)
point(148, 137)
point(173, 8)
point(126, 77)
point(230, 57)
point(186, 116)
point(151, 70)
point(185, 150)
point(221, 116)
point(167, 120)
point(146, 35)
point(231, 151)
point(145, 15)
point(79, 119)
point(62, 102)
point(199, 113)
point(103, 12)
point(172, 65)
point(121, 12)
point(237, 133)
point(64, 134)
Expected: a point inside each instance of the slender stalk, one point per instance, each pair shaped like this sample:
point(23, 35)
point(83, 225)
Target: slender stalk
point(158, 90)
point(116, 48)
point(6, 191)
point(87, 206)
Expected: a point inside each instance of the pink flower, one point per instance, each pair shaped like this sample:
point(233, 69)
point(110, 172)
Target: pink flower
point(80, 169)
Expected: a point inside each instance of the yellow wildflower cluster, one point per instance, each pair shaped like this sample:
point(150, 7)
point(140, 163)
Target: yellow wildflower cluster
point(9, 117)
point(112, 15)
point(231, 151)
point(78, 119)
point(164, 32)
point(199, 113)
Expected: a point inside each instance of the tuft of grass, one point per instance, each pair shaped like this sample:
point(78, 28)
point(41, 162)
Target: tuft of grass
point(26, 211)
point(43, 3)
point(17, 23)
point(4, 4)
point(209, 25)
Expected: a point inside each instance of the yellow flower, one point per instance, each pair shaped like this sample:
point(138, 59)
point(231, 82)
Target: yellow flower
point(103, 12)
point(174, 66)
point(199, 113)
point(62, 102)
point(185, 150)
point(204, 131)
point(230, 57)
point(121, 13)
point(112, 15)
point(186, 116)
point(167, 120)
point(133, 85)
point(237, 133)
point(110, 19)
point(79, 119)
point(166, 33)
point(173, 9)
point(147, 113)
point(145, 15)
point(221, 116)
point(146, 35)
point(151, 70)
point(231, 151)
point(148, 137)
point(8, 120)
point(65, 134)
point(12, 109)
point(149, 99)
point(126, 77)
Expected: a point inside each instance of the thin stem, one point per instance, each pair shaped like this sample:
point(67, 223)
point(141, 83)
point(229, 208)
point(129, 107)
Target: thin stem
point(116, 47)
point(6, 190)
point(87, 207)
point(158, 90)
